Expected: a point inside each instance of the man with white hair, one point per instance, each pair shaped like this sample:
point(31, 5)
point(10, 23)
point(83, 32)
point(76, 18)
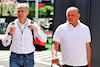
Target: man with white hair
point(74, 39)
point(19, 32)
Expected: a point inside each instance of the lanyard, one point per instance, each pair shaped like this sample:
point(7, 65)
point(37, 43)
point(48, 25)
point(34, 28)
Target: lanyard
point(24, 27)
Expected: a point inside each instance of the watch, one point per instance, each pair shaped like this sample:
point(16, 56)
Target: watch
point(9, 34)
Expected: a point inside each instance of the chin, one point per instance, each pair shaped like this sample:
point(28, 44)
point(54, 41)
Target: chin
point(70, 22)
point(20, 18)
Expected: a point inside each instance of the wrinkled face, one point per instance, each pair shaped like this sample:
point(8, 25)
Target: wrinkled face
point(22, 13)
point(72, 16)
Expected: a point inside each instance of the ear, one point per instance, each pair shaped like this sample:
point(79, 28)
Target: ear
point(27, 13)
point(79, 16)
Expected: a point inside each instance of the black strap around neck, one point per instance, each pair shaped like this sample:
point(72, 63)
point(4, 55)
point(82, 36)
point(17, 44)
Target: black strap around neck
point(32, 22)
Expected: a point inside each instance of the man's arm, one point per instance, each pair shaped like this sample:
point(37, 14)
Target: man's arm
point(54, 52)
point(88, 54)
point(38, 32)
point(7, 39)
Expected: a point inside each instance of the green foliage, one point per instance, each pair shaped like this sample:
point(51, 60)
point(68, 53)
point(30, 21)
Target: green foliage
point(1, 9)
point(42, 12)
point(46, 11)
point(7, 8)
point(32, 11)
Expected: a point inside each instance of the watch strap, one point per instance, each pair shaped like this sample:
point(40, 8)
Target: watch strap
point(9, 34)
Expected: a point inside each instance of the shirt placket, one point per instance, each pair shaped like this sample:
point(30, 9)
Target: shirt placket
point(22, 27)
point(74, 29)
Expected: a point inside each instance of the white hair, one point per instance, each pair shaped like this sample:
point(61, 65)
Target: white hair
point(72, 8)
point(23, 5)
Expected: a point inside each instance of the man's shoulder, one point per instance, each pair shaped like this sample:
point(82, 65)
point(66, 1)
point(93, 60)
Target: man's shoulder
point(13, 22)
point(83, 25)
point(63, 25)
point(32, 21)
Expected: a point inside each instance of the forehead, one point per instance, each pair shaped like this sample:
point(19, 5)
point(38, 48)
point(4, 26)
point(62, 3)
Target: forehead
point(22, 8)
point(71, 11)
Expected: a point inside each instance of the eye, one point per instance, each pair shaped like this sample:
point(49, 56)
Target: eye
point(68, 15)
point(22, 11)
point(72, 15)
point(18, 11)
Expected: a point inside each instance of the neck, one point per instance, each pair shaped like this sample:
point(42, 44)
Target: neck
point(74, 25)
point(22, 21)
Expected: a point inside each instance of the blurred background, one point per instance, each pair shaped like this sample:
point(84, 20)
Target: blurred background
point(51, 13)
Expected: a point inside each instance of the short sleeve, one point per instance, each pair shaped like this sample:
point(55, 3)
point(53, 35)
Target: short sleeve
point(56, 36)
point(88, 35)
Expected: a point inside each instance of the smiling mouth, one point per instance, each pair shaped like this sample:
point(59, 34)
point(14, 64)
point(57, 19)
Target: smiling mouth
point(20, 16)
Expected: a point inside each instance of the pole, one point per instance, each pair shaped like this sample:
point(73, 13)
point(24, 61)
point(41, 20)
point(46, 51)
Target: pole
point(36, 10)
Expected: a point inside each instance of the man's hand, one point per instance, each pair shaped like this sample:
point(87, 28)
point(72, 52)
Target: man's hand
point(89, 65)
point(12, 29)
point(56, 61)
point(33, 27)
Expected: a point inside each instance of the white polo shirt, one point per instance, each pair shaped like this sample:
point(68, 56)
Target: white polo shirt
point(73, 43)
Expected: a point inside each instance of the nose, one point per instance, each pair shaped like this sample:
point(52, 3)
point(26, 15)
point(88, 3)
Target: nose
point(70, 17)
point(20, 12)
